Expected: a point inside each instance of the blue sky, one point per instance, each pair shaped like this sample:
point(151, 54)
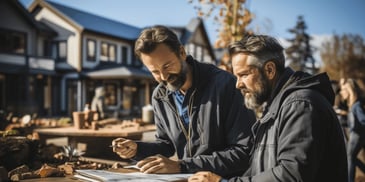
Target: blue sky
point(323, 17)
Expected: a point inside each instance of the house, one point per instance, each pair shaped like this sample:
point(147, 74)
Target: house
point(89, 51)
point(27, 74)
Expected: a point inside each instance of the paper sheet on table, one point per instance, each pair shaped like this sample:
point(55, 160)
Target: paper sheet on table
point(104, 176)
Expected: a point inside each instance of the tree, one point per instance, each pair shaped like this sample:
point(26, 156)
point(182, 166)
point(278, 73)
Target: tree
point(300, 51)
point(344, 57)
point(232, 18)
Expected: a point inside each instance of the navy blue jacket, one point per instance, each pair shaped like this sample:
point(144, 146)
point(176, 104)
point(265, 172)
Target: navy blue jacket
point(220, 125)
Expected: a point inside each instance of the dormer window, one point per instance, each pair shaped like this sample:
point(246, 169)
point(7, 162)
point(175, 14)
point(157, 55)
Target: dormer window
point(62, 50)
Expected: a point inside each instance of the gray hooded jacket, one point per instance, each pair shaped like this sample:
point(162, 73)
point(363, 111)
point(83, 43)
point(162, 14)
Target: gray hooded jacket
point(299, 137)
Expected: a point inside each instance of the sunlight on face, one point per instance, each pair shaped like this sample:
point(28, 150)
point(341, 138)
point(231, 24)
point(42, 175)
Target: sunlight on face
point(258, 94)
point(166, 67)
point(176, 81)
point(251, 81)
point(345, 91)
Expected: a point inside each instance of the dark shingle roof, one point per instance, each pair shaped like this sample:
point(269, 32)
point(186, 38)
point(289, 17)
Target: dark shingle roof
point(98, 24)
point(117, 71)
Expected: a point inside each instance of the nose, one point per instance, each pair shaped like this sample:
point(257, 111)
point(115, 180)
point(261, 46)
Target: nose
point(164, 75)
point(240, 84)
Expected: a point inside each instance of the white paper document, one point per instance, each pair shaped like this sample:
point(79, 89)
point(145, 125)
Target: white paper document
point(110, 176)
point(132, 167)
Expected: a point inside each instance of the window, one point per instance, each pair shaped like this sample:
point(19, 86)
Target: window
point(62, 50)
point(112, 52)
point(47, 48)
point(91, 50)
point(199, 53)
point(128, 92)
point(191, 49)
point(206, 56)
point(104, 52)
point(124, 55)
point(110, 94)
point(108, 52)
point(12, 41)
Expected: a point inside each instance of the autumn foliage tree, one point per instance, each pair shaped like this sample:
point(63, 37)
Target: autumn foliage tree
point(232, 20)
point(343, 56)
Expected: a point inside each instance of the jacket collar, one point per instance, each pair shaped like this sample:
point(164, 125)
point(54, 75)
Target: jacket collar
point(164, 93)
point(291, 81)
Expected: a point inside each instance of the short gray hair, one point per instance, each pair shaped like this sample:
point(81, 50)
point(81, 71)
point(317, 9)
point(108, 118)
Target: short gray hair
point(262, 48)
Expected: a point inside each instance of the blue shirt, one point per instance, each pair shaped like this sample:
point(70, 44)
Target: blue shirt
point(182, 107)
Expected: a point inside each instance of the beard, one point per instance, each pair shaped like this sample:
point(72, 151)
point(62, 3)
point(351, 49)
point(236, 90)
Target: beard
point(260, 93)
point(177, 80)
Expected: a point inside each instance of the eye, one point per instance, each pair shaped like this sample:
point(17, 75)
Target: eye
point(155, 72)
point(166, 66)
point(242, 75)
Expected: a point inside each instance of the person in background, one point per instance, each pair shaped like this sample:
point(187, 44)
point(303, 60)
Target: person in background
point(97, 104)
point(197, 110)
point(350, 92)
point(298, 137)
point(340, 106)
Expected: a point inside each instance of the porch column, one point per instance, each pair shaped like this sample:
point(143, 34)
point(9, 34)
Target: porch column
point(48, 96)
point(79, 96)
point(147, 93)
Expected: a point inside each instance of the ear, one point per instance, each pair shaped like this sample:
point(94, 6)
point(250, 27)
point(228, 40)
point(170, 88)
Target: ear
point(270, 70)
point(182, 52)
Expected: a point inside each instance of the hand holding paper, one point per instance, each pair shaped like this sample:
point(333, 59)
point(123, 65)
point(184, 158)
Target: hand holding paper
point(159, 164)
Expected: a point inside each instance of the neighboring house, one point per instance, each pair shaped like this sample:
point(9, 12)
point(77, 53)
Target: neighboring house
point(27, 73)
point(89, 51)
point(101, 52)
point(196, 41)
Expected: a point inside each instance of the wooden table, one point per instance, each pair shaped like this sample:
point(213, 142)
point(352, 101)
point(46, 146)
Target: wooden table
point(97, 141)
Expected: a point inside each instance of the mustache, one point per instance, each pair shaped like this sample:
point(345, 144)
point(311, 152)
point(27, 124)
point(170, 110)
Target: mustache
point(169, 80)
point(244, 91)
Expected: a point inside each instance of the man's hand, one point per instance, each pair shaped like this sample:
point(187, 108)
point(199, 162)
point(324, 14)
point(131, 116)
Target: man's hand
point(125, 148)
point(204, 176)
point(159, 164)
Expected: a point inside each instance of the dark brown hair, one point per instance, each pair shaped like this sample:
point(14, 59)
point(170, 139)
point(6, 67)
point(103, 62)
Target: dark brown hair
point(153, 36)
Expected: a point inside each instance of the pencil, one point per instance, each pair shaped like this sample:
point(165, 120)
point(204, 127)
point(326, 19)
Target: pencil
point(118, 146)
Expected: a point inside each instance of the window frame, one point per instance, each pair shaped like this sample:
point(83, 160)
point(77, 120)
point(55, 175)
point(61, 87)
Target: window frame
point(124, 55)
point(89, 57)
point(9, 44)
point(59, 57)
point(106, 55)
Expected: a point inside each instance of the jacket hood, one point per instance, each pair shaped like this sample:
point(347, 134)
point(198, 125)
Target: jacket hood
point(291, 81)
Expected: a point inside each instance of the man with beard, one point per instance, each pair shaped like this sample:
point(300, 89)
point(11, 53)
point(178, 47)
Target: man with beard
point(197, 110)
point(298, 137)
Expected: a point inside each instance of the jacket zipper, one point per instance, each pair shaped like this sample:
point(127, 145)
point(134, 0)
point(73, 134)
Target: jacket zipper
point(190, 109)
point(186, 133)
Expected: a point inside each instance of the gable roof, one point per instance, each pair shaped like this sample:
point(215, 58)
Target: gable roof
point(85, 21)
point(40, 27)
point(94, 23)
point(188, 31)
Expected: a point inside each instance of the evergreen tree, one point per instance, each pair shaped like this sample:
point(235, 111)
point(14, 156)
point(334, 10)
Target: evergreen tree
point(299, 53)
